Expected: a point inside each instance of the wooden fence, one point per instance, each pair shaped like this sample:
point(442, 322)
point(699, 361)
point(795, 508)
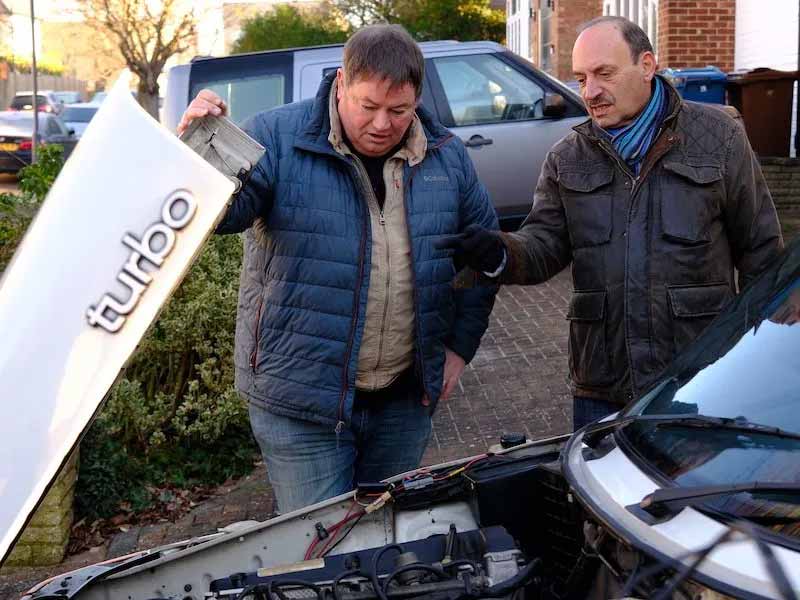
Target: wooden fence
point(12, 81)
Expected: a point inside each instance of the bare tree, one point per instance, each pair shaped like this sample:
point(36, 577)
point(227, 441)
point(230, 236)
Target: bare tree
point(147, 34)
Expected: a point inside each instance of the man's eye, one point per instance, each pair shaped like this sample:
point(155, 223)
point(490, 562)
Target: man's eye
point(365, 107)
point(398, 112)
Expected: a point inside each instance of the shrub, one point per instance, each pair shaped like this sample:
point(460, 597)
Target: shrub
point(17, 210)
point(174, 417)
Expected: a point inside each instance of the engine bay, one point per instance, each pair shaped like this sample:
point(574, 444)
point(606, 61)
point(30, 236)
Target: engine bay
point(500, 526)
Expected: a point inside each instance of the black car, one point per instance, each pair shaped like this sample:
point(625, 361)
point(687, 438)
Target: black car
point(16, 137)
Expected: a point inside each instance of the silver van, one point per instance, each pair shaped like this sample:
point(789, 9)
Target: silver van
point(508, 113)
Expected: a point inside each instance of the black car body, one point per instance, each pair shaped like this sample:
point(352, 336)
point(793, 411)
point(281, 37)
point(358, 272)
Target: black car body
point(16, 137)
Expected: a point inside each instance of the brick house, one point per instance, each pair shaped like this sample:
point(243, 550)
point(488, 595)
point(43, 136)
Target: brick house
point(683, 33)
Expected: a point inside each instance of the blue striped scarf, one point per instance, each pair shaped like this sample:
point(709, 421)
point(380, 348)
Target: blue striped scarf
point(633, 141)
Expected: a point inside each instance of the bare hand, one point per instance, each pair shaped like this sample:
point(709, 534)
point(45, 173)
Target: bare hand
point(205, 103)
point(788, 313)
point(453, 368)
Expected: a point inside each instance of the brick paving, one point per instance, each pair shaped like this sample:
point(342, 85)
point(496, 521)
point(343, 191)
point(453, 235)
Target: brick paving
point(517, 382)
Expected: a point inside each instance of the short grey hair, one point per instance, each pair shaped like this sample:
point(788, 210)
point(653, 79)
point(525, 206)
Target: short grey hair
point(634, 36)
point(386, 51)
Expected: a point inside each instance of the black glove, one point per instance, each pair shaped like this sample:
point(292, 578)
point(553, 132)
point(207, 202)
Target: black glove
point(480, 249)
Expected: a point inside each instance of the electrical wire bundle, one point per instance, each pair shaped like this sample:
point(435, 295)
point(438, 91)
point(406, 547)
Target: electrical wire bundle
point(328, 538)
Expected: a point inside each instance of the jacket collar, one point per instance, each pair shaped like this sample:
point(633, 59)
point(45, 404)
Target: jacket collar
point(591, 131)
point(315, 136)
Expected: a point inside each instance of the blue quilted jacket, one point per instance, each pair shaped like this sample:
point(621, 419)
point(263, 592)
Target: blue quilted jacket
point(306, 268)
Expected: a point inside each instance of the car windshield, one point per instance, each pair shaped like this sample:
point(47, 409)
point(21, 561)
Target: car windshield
point(745, 367)
point(78, 114)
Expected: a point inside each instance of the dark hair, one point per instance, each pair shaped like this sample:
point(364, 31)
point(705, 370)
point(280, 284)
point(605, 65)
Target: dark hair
point(387, 51)
point(634, 36)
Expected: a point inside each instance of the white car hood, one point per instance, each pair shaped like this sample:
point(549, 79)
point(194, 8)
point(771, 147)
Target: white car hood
point(69, 319)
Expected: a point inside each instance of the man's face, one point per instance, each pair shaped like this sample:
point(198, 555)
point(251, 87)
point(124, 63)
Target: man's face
point(614, 88)
point(375, 113)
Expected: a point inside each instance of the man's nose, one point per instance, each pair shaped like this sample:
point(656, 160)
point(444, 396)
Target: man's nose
point(381, 120)
point(591, 90)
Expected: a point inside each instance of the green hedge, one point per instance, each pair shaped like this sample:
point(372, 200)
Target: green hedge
point(174, 417)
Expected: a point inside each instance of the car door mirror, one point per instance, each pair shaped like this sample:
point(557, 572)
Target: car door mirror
point(71, 131)
point(554, 105)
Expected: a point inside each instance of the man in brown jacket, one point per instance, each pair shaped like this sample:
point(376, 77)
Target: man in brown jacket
point(657, 202)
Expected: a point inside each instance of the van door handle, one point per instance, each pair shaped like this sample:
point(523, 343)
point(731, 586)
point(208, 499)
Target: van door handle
point(478, 140)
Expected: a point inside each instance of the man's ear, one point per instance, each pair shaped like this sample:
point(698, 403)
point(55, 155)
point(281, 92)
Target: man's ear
point(648, 64)
point(340, 84)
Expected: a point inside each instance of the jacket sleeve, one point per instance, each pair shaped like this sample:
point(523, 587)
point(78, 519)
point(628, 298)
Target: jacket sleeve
point(254, 199)
point(750, 217)
point(541, 248)
point(473, 304)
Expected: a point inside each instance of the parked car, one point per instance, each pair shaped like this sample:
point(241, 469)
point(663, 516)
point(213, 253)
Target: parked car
point(46, 101)
point(77, 116)
point(692, 491)
point(508, 113)
point(68, 97)
point(16, 137)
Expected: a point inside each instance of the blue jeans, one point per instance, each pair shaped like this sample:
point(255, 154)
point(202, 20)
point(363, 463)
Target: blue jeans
point(588, 410)
point(307, 462)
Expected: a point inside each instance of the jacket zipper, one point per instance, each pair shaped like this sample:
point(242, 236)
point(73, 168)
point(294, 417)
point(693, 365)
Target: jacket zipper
point(635, 187)
point(407, 195)
point(373, 200)
point(254, 353)
point(386, 292)
point(356, 296)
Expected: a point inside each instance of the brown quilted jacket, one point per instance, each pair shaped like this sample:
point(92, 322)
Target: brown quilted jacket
point(654, 257)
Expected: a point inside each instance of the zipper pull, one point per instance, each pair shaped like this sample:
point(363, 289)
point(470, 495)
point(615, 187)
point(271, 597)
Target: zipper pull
point(382, 219)
point(338, 430)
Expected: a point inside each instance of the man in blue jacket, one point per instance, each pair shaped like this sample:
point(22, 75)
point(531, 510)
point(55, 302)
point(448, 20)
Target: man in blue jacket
point(348, 330)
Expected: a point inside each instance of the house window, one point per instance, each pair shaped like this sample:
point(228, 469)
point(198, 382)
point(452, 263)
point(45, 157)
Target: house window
point(642, 12)
point(545, 35)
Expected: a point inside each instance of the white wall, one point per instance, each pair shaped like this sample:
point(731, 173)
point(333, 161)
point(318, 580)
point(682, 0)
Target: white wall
point(766, 34)
point(518, 28)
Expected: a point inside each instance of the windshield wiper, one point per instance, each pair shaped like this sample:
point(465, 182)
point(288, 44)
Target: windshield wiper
point(594, 433)
point(667, 501)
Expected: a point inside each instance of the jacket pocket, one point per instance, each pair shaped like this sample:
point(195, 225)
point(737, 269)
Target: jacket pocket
point(588, 360)
point(690, 199)
point(693, 307)
point(587, 203)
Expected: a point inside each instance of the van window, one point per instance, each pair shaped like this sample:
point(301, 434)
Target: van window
point(248, 84)
point(481, 88)
point(248, 96)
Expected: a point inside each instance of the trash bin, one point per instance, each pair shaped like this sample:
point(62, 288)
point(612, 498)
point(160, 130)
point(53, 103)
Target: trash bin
point(701, 84)
point(764, 97)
